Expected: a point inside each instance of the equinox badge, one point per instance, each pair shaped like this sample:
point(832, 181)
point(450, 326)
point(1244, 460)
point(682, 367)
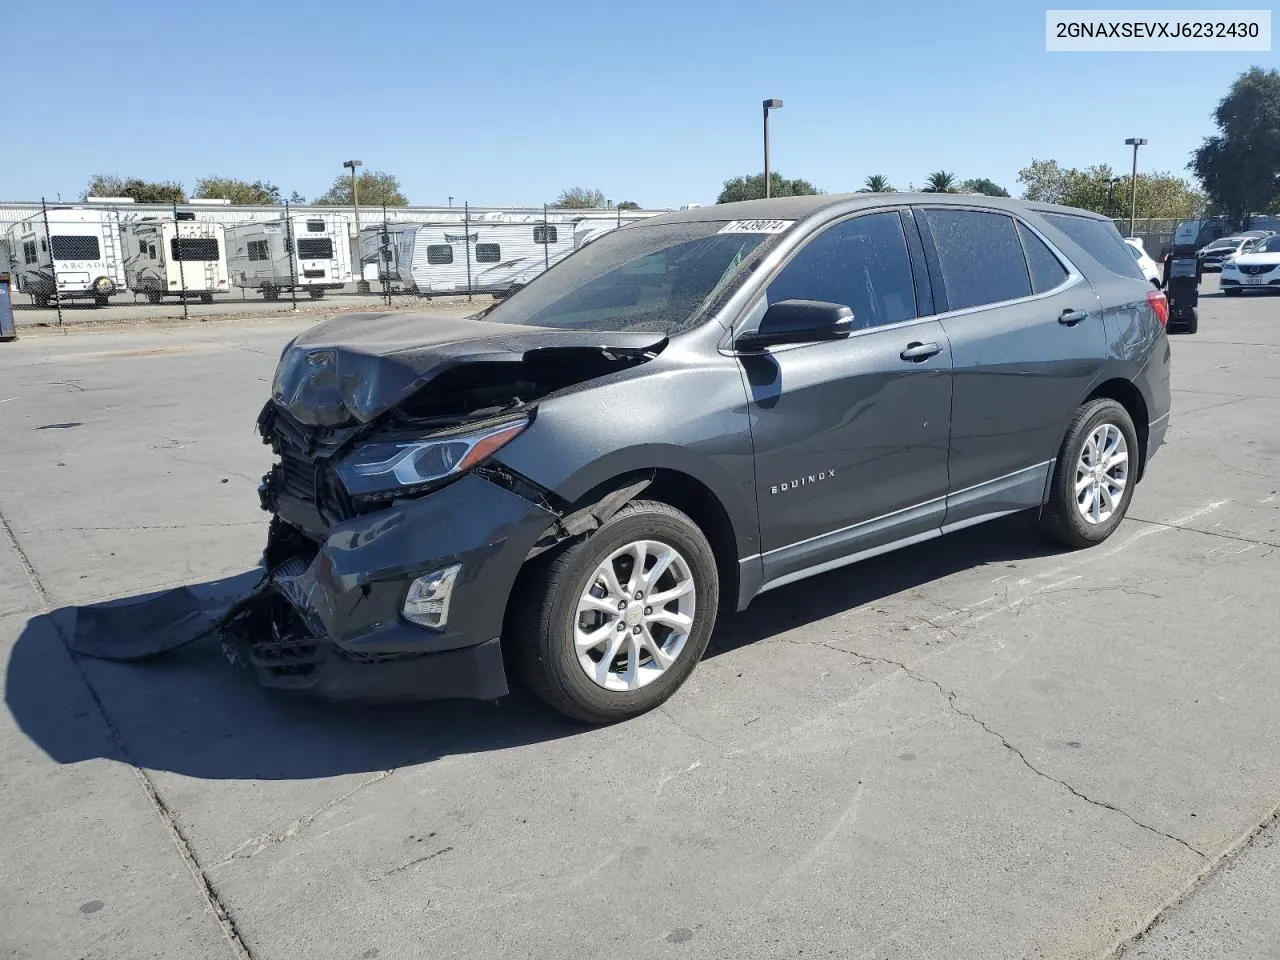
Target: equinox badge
point(802, 482)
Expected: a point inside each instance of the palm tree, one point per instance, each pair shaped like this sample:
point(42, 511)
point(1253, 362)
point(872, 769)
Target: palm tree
point(940, 182)
point(876, 183)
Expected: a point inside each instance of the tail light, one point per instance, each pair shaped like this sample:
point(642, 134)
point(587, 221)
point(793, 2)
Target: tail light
point(1160, 304)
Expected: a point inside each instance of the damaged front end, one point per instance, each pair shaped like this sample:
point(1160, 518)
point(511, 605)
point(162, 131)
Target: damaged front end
point(395, 540)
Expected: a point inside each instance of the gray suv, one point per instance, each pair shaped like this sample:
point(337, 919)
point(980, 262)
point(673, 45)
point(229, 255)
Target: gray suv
point(684, 414)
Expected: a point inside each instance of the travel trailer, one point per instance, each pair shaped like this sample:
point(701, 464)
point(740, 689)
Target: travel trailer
point(84, 260)
point(167, 259)
point(493, 253)
point(307, 252)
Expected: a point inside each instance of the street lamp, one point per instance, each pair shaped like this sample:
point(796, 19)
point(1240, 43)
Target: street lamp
point(1134, 142)
point(771, 104)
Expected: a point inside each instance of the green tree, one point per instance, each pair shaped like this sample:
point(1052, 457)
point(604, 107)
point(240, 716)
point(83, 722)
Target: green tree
point(140, 191)
point(752, 187)
point(1098, 188)
point(940, 182)
point(580, 198)
point(628, 205)
point(984, 186)
point(876, 183)
point(258, 193)
point(296, 197)
point(1240, 165)
point(374, 187)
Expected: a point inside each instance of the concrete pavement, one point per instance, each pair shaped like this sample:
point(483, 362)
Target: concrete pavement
point(979, 747)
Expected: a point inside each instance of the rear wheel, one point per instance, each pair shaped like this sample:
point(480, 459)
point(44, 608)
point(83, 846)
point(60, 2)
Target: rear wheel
point(206, 298)
point(612, 625)
point(153, 296)
point(101, 300)
point(270, 293)
point(1094, 475)
point(41, 299)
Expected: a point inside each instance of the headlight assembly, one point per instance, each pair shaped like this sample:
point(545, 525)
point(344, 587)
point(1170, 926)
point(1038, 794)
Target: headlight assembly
point(380, 471)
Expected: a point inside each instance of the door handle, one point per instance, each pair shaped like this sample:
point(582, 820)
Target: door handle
point(919, 352)
point(1069, 318)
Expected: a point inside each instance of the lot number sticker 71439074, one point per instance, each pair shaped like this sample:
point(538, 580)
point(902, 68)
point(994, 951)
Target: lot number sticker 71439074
point(756, 226)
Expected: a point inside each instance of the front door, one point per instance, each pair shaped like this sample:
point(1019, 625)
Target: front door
point(850, 435)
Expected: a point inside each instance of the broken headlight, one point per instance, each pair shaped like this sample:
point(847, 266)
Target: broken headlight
point(381, 471)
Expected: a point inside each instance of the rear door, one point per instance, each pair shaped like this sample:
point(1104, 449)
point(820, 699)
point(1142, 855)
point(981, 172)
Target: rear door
point(851, 435)
point(1027, 340)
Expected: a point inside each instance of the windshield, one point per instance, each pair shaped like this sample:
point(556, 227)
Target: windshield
point(1269, 245)
point(1224, 245)
point(648, 277)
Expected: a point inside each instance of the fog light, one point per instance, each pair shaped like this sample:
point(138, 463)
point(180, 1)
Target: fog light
point(427, 602)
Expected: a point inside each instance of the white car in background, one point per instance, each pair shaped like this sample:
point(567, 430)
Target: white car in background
point(1150, 269)
point(1258, 269)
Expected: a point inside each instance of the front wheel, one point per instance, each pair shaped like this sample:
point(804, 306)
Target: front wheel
point(317, 293)
point(611, 626)
point(1094, 475)
point(101, 300)
point(206, 298)
point(270, 293)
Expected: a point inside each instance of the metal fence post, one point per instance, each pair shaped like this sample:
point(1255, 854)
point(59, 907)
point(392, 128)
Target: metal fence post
point(178, 253)
point(293, 267)
point(466, 240)
point(546, 252)
point(384, 258)
point(53, 263)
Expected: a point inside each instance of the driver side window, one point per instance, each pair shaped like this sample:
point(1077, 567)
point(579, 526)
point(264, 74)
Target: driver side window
point(861, 263)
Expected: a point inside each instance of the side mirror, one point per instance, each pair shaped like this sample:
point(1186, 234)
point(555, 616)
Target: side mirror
point(798, 321)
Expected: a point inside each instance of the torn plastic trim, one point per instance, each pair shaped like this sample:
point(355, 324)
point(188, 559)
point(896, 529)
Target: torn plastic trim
point(588, 519)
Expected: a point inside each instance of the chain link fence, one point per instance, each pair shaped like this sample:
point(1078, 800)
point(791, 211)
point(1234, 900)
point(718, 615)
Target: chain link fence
point(207, 258)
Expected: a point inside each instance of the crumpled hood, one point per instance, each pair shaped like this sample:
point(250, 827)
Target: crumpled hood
point(361, 365)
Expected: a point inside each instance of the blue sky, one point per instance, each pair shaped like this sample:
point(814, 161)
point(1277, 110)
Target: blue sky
point(505, 103)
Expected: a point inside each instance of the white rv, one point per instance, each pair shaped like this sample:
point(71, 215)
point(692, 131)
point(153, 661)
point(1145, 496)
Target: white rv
point(167, 259)
point(309, 252)
point(494, 253)
point(85, 256)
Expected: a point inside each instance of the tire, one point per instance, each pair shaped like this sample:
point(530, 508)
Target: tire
point(41, 300)
point(206, 298)
point(101, 301)
point(270, 293)
point(545, 613)
point(1061, 517)
point(1192, 323)
point(153, 296)
point(316, 293)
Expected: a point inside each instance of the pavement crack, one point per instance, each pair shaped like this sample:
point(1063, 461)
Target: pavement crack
point(1208, 533)
point(256, 845)
point(684, 728)
point(413, 863)
point(950, 697)
point(1206, 873)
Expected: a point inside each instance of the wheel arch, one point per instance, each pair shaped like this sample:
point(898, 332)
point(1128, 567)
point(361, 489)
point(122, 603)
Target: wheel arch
point(1127, 394)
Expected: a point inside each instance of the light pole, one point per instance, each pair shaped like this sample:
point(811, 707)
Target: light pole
point(1134, 142)
point(355, 204)
point(771, 104)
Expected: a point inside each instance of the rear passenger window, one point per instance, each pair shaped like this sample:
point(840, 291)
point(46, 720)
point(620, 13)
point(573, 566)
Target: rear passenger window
point(861, 263)
point(439, 253)
point(1047, 270)
point(981, 256)
point(1100, 239)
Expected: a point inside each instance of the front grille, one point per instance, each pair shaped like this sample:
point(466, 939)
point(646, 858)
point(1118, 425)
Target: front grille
point(297, 475)
point(1254, 269)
